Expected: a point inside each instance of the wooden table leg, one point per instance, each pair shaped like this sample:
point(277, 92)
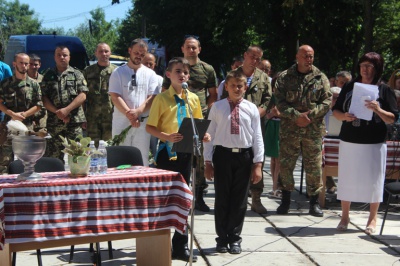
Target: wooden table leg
point(154, 250)
point(5, 256)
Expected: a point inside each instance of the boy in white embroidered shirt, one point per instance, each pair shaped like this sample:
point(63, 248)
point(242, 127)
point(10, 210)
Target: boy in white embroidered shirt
point(235, 161)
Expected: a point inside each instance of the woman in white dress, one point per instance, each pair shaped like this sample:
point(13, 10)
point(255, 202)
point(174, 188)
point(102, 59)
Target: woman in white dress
point(362, 148)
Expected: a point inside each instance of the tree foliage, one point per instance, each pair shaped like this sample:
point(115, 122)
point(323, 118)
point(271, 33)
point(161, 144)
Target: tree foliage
point(16, 18)
point(96, 30)
point(339, 31)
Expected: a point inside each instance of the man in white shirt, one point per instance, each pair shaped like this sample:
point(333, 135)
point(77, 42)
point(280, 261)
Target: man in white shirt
point(132, 89)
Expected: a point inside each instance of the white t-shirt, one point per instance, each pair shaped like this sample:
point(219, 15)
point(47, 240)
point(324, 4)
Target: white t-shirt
point(121, 83)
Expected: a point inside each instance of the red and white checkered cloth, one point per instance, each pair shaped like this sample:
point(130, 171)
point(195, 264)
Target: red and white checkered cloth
point(130, 200)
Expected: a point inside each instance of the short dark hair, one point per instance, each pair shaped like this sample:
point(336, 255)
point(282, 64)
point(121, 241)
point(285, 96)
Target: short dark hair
point(61, 47)
point(139, 42)
point(35, 57)
point(375, 59)
point(191, 37)
point(178, 60)
point(343, 74)
point(254, 46)
point(237, 58)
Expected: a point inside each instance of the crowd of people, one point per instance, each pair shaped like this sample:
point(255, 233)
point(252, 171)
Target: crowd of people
point(252, 116)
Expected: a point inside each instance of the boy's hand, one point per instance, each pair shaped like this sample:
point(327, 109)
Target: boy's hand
point(208, 171)
point(207, 137)
point(175, 137)
point(256, 173)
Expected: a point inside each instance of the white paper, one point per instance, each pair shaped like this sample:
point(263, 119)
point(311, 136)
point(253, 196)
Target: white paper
point(361, 93)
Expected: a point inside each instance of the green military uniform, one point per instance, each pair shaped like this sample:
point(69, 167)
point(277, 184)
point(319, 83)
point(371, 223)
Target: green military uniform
point(61, 90)
point(297, 93)
point(40, 118)
point(18, 96)
point(99, 107)
point(259, 92)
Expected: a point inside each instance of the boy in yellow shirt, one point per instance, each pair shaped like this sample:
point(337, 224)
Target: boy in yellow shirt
point(166, 115)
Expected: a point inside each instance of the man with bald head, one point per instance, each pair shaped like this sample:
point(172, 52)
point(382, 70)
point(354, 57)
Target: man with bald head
point(20, 99)
point(303, 98)
point(99, 107)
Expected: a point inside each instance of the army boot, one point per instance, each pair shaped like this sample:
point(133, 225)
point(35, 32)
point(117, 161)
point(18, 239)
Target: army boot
point(200, 205)
point(285, 203)
point(256, 204)
point(315, 209)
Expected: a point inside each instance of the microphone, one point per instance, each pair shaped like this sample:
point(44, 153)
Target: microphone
point(185, 86)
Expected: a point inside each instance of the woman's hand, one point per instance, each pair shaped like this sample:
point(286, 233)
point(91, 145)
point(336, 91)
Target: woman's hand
point(373, 105)
point(349, 117)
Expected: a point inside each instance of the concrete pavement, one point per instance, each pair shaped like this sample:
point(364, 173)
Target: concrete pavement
point(293, 239)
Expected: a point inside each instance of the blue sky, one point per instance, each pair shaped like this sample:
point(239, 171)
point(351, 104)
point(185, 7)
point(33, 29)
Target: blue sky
point(69, 14)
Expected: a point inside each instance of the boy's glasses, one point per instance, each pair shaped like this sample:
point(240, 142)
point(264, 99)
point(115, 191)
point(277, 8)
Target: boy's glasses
point(191, 36)
point(133, 83)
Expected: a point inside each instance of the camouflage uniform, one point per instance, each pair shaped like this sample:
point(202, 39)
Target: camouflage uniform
point(99, 107)
point(202, 77)
point(40, 118)
point(259, 93)
point(297, 93)
point(61, 91)
point(18, 96)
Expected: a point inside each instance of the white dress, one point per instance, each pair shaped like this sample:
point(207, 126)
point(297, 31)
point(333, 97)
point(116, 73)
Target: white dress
point(361, 172)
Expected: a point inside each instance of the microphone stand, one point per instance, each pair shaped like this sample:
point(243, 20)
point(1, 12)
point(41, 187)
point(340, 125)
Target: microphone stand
point(196, 153)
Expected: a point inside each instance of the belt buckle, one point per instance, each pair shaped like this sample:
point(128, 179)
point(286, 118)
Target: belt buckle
point(235, 150)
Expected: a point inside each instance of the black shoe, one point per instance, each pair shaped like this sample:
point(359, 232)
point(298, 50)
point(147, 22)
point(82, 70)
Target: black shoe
point(200, 205)
point(283, 208)
point(221, 248)
point(234, 248)
point(183, 254)
point(315, 210)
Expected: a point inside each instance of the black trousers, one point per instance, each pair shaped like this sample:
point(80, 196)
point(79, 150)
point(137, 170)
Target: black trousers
point(231, 181)
point(183, 166)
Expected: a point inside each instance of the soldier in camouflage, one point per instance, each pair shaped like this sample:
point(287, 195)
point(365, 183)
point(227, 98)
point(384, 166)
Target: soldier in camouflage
point(64, 91)
point(40, 118)
point(303, 98)
point(258, 92)
point(202, 81)
point(20, 99)
point(99, 107)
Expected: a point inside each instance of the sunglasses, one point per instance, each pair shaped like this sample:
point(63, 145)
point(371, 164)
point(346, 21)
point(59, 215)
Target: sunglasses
point(133, 83)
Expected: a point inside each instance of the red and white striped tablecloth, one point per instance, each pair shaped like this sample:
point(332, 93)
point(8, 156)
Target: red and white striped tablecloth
point(130, 200)
point(331, 151)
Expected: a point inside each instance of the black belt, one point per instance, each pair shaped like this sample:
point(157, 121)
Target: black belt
point(143, 118)
point(234, 150)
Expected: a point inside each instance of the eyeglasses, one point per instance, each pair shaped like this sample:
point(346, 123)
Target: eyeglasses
point(368, 66)
point(133, 83)
point(190, 36)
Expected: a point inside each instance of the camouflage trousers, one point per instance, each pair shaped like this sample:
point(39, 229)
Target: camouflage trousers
point(40, 119)
point(6, 156)
point(54, 145)
point(98, 130)
point(289, 150)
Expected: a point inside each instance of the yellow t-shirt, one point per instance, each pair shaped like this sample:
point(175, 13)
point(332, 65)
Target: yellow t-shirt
point(163, 112)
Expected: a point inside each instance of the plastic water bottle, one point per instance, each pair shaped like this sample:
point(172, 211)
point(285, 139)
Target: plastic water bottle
point(102, 157)
point(94, 159)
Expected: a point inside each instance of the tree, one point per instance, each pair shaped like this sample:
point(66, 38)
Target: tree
point(96, 30)
point(16, 18)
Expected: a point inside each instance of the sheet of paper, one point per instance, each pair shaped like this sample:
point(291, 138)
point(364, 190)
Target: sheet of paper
point(361, 93)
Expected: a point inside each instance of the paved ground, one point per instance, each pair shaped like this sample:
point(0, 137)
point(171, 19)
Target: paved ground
point(294, 239)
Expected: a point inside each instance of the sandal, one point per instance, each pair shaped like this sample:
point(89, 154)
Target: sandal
point(277, 194)
point(342, 227)
point(369, 230)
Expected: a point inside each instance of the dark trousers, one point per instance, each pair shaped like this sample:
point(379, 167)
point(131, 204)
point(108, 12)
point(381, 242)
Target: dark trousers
point(183, 166)
point(231, 182)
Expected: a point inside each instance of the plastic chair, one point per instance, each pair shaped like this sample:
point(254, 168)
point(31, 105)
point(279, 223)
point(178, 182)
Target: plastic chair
point(44, 164)
point(392, 189)
point(116, 155)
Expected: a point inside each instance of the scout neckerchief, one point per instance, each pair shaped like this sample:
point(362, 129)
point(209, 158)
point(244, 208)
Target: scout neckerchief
point(180, 114)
